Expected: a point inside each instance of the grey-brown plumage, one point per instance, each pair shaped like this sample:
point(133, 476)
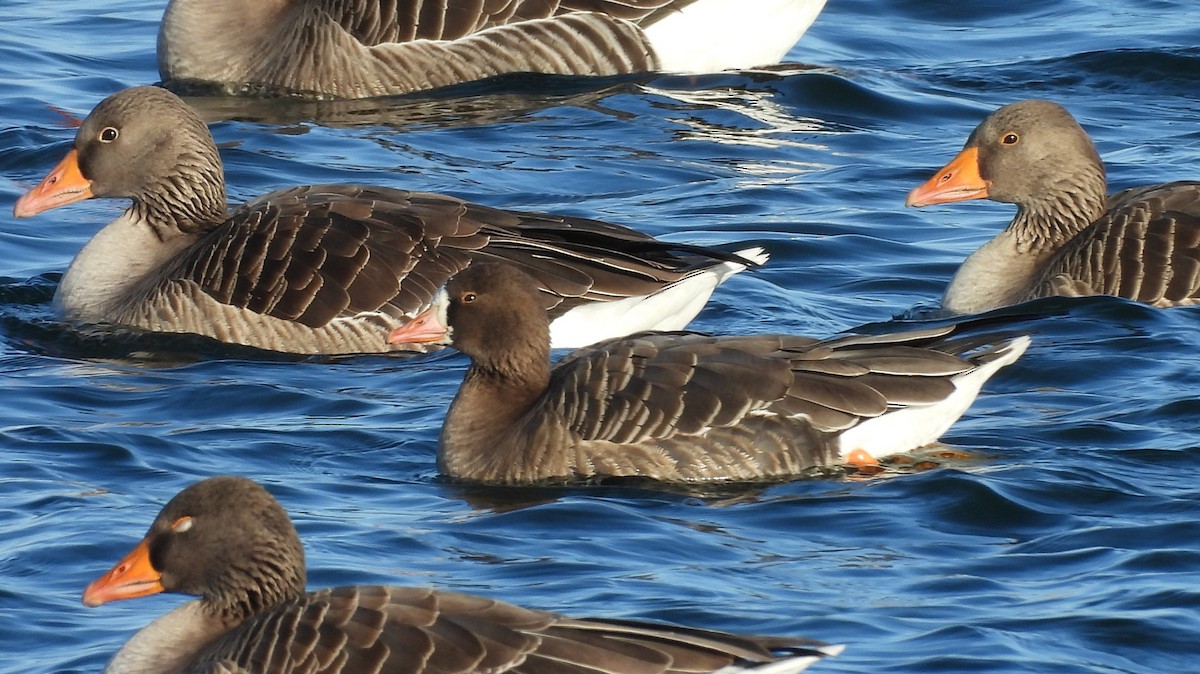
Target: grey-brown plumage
point(1067, 237)
point(317, 269)
point(686, 406)
point(361, 48)
point(228, 541)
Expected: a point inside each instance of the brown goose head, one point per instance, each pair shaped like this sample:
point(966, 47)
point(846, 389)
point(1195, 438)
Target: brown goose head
point(1030, 153)
point(492, 312)
point(147, 145)
point(225, 539)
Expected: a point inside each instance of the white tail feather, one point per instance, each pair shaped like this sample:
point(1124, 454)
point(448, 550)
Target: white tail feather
point(713, 35)
point(791, 665)
point(912, 427)
point(671, 308)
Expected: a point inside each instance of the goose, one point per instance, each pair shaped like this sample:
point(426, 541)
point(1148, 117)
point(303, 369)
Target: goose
point(228, 541)
point(365, 48)
point(684, 406)
point(329, 269)
point(1068, 238)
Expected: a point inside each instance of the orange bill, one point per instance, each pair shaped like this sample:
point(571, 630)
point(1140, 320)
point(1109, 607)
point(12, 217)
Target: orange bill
point(64, 185)
point(132, 577)
point(426, 327)
point(957, 181)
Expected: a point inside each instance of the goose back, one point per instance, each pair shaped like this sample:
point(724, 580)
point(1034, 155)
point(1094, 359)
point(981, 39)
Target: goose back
point(385, 628)
point(344, 264)
point(1146, 248)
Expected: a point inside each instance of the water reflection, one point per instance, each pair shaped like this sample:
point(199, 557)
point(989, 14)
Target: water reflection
point(760, 121)
point(501, 99)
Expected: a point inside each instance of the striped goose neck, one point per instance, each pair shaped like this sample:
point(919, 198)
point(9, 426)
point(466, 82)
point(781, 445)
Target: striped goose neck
point(1060, 214)
point(272, 578)
point(191, 201)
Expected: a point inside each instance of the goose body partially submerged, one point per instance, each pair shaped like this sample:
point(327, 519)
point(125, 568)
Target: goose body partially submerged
point(330, 269)
point(685, 407)
point(229, 542)
point(362, 48)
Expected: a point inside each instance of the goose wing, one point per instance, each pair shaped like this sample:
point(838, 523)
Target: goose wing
point(355, 630)
point(316, 253)
point(374, 22)
point(312, 254)
point(662, 385)
point(1146, 247)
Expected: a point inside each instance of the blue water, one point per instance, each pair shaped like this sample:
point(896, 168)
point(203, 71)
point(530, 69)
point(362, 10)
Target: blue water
point(1061, 534)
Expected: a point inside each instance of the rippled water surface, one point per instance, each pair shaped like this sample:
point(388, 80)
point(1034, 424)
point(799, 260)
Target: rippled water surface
point(1062, 534)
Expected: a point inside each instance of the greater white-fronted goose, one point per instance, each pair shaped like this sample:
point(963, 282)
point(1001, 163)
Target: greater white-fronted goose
point(228, 541)
point(685, 406)
point(1068, 237)
point(329, 269)
point(361, 48)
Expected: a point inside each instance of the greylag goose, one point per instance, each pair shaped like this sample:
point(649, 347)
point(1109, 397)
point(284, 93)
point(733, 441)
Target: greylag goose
point(1068, 237)
point(328, 269)
point(362, 48)
point(685, 406)
point(228, 541)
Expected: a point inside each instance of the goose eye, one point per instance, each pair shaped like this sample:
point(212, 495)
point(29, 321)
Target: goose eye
point(181, 525)
point(109, 134)
point(1010, 139)
point(469, 297)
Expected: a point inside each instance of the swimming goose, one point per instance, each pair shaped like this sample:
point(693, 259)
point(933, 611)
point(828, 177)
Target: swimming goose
point(685, 406)
point(1067, 237)
point(329, 269)
point(362, 48)
point(228, 541)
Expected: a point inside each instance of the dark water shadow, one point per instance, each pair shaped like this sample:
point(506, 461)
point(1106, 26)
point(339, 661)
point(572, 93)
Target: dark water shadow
point(504, 498)
point(472, 104)
point(1096, 306)
point(480, 103)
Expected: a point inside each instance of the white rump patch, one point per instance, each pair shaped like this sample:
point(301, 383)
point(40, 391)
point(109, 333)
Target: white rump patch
point(791, 665)
point(712, 35)
point(671, 308)
point(913, 427)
